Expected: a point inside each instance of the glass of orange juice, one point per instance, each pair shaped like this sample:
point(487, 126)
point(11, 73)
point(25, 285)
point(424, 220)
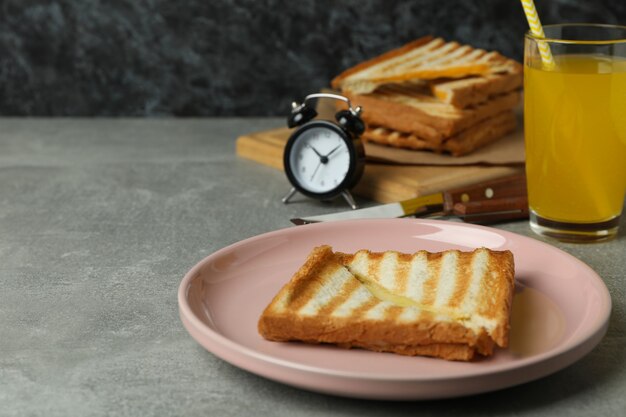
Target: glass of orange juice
point(575, 131)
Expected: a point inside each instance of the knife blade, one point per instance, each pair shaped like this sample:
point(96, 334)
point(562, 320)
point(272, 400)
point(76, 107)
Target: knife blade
point(496, 200)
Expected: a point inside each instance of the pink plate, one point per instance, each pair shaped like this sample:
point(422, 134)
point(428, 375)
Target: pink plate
point(560, 311)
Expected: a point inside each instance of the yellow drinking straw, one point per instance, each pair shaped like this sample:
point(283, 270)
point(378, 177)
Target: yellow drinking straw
point(537, 30)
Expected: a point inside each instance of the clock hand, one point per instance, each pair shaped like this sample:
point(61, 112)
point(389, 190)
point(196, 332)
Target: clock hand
point(323, 159)
point(316, 168)
point(315, 150)
point(334, 149)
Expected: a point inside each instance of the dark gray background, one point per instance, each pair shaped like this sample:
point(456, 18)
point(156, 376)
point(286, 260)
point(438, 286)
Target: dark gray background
point(228, 57)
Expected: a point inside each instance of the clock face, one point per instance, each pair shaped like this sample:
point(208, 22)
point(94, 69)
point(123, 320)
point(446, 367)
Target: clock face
point(319, 159)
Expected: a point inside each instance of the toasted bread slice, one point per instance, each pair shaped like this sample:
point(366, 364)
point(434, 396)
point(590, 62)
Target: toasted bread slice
point(333, 299)
point(471, 91)
point(408, 110)
point(467, 141)
point(427, 58)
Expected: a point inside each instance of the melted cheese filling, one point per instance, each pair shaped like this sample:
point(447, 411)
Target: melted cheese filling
point(473, 322)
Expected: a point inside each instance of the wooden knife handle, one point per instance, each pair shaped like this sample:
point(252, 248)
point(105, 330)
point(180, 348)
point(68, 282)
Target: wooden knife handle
point(490, 211)
point(491, 206)
point(498, 189)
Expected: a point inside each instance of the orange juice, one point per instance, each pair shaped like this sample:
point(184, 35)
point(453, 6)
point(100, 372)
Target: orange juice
point(575, 131)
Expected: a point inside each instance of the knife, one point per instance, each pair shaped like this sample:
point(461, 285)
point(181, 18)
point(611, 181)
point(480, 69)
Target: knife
point(501, 199)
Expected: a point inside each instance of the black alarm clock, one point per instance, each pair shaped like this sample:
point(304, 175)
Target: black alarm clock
point(324, 159)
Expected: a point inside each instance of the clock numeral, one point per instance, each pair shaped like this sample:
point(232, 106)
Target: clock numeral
point(322, 183)
point(303, 169)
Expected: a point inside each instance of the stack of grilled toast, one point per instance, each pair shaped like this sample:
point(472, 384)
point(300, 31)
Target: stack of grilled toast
point(452, 305)
point(435, 95)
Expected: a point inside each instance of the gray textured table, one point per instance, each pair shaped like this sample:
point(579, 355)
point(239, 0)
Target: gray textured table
point(99, 221)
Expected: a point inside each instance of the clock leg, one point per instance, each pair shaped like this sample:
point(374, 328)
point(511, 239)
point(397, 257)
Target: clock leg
point(349, 199)
point(289, 195)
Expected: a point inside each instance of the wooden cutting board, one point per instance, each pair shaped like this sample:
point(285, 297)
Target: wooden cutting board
point(381, 182)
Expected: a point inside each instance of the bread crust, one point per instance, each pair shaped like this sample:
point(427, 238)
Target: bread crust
point(481, 134)
point(501, 287)
point(425, 331)
point(448, 351)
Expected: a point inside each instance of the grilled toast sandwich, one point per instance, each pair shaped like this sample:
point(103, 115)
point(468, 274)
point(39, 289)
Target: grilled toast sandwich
point(433, 91)
point(452, 305)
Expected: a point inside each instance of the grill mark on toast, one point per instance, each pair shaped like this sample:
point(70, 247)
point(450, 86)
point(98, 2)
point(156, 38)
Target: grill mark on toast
point(393, 312)
point(433, 51)
point(403, 269)
point(415, 56)
point(464, 275)
point(351, 306)
point(362, 310)
point(368, 264)
point(343, 295)
point(426, 315)
point(432, 282)
point(301, 286)
point(378, 311)
point(322, 289)
point(418, 274)
point(486, 306)
point(458, 54)
point(390, 59)
point(373, 262)
point(303, 293)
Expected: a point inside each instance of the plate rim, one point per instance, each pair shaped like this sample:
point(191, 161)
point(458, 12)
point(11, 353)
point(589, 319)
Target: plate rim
point(189, 318)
